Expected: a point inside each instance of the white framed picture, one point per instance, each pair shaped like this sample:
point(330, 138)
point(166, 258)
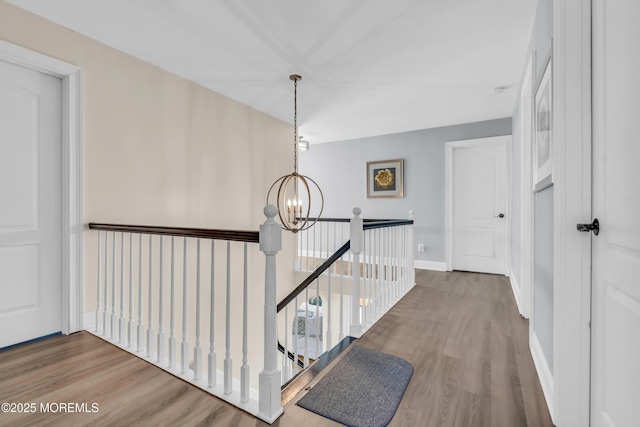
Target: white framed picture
point(385, 178)
point(543, 130)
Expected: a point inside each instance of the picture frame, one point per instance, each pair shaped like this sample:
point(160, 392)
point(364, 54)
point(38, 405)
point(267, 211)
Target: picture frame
point(543, 128)
point(385, 178)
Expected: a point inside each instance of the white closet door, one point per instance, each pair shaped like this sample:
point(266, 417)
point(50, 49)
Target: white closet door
point(30, 204)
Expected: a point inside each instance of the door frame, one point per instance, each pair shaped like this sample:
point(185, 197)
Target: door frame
point(526, 193)
point(72, 225)
point(572, 176)
point(448, 196)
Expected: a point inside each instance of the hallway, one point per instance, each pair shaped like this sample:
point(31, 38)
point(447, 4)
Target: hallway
point(460, 331)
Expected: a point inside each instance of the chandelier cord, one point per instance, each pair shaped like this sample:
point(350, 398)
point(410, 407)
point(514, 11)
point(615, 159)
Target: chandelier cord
point(295, 125)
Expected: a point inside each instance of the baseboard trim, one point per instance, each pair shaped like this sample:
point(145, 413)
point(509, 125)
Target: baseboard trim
point(544, 373)
point(515, 289)
point(430, 265)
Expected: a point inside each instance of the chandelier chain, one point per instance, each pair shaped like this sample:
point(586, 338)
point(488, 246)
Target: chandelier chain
point(295, 124)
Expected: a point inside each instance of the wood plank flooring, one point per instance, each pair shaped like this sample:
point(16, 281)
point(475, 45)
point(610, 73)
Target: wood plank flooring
point(460, 331)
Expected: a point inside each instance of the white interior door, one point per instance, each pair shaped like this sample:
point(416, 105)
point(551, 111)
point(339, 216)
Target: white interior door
point(616, 203)
point(479, 178)
point(30, 200)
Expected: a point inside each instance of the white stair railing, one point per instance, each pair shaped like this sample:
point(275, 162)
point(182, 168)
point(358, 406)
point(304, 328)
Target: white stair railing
point(193, 307)
point(370, 269)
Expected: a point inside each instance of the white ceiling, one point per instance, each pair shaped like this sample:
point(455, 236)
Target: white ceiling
point(369, 67)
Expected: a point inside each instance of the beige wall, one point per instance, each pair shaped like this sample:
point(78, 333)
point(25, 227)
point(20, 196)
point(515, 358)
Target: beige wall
point(160, 150)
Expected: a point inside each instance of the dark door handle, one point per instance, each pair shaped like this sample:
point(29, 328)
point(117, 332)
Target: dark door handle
point(594, 226)
point(499, 216)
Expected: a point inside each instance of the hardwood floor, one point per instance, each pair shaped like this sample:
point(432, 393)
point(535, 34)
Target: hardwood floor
point(460, 331)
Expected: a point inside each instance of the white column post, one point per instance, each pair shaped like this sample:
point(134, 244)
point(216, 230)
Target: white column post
point(270, 406)
point(412, 267)
point(356, 236)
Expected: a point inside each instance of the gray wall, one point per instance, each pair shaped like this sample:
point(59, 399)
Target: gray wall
point(540, 43)
point(340, 170)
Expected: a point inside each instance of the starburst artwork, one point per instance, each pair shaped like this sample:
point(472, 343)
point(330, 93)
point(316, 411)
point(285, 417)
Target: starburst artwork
point(385, 179)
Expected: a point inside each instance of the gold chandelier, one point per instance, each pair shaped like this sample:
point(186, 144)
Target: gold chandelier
point(294, 190)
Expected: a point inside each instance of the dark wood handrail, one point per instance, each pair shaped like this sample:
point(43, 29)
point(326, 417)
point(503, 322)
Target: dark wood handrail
point(385, 223)
point(365, 220)
point(204, 233)
point(313, 276)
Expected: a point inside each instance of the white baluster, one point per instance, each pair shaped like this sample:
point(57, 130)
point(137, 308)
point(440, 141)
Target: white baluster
point(355, 330)
point(369, 264)
point(114, 317)
point(298, 265)
point(342, 240)
point(391, 266)
point(306, 327)
point(185, 344)
point(399, 261)
point(285, 355)
point(121, 326)
point(98, 302)
point(399, 248)
point(407, 248)
point(307, 253)
point(341, 335)
point(329, 252)
point(328, 306)
point(160, 345)
point(400, 278)
point(172, 309)
point(320, 258)
point(131, 320)
point(335, 244)
point(404, 259)
point(244, 370)
point(318, 322)
point(270, 406)
point(105, 313)
point(197, 351)
point(394, 255)
point(365, 281)
point(150, 333)
point(295, 334)
point(385, 288)
point(228, 363)
point(314, 248)
point(140, 325)
point(378, 238)
point(212, 370)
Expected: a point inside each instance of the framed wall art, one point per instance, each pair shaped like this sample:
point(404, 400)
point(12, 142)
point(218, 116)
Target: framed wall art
point(543, 130)
point(385, 178)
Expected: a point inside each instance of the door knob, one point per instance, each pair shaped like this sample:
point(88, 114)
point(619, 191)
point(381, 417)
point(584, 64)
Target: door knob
point(594, 226)
point(499, 216)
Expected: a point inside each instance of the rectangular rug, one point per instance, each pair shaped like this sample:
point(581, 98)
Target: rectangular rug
point(363, 389)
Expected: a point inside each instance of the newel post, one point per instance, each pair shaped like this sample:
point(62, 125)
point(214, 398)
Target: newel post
point(270, 406)
point(412, 266)
point(357, 238)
